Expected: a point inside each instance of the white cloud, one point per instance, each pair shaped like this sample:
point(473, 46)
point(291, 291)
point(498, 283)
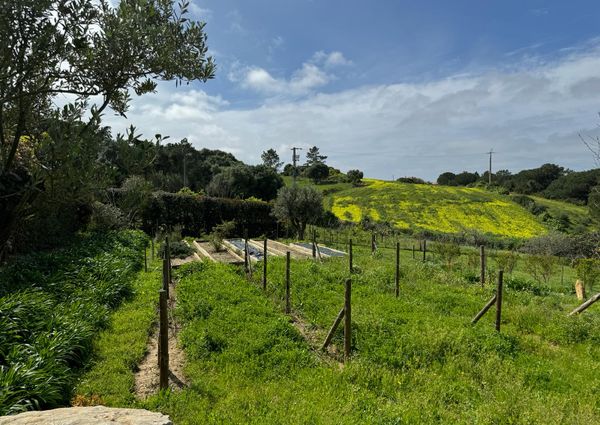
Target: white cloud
point(330, 60)
point(529, 116)
point(302, 81)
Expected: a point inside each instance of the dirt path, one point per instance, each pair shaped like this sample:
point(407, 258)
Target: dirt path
point(147, 376)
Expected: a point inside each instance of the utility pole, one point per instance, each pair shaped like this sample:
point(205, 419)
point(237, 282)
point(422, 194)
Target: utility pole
point(490, 153)
point(295, 157)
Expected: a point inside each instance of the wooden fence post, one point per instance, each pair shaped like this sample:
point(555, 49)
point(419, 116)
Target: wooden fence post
point(585, 305)
point(413, 251)
point(169, 271)
point(482, 264)
point(484, 310)
point(287, 283)
point(397, 269)
point(331, 332)
point(264, 280)
point(165, 279)
point(163, 341)
point(499, 299)
point(314, 244)
point(372, 243)
point(424, 250)
point(348, 320)
point(350, 255)
point(152, 247)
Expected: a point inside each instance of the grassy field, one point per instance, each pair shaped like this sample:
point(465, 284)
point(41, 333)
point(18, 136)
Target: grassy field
point(435, 208)
point(443, 209)
point(416, 359)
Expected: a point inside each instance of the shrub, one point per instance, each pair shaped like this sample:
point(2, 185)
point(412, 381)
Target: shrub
point(106, 217)
point(448, 252)
point(588, 270)
point(179, 249)
point(220, 232)
point(506, 260)
point(199, 214)
point(540, 267)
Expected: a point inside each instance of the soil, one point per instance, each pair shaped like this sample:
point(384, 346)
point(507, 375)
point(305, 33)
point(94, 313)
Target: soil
point(221, 256)
point(147, 376)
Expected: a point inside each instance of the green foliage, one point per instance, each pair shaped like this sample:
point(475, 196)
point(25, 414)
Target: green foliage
point(573, 186)
point(355, 177)
point(506, 260)
point(199, 214)
point(106, 217)
point(178, 249)
point(270, 159)
point(317, 172)
point(51, 306)
point(448, 252)
point(220, 232)
point(298, 206)
point(588, 270)
point(242, 181)
point(57, 150)
point(540, 267)
point(313, 156)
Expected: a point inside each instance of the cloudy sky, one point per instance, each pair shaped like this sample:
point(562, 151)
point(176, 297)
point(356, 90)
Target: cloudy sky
point(394, 88)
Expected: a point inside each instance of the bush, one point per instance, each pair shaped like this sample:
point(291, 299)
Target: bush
point(220, 232)
point(199, 214)
point(106, 217)
point(519, 284)
point(588, 270)
point(179, 249)
point(506, 260)
point(540, 267)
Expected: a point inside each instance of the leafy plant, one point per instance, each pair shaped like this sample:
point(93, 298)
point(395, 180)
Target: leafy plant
point(588, 270)
point(540, 267)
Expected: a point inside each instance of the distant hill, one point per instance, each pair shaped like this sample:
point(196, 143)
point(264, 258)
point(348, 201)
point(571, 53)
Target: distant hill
point(445, 209)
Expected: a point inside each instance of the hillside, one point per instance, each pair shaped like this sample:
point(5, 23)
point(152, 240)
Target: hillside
point(441, 208)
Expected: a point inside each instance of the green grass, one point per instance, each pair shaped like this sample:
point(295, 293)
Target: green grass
point(52, 304)
point(416, 359)
point(578, 215)
point(120, 347)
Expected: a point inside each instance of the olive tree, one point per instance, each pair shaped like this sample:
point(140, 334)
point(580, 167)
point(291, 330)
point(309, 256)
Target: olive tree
point(94, 54)
point(298, 206)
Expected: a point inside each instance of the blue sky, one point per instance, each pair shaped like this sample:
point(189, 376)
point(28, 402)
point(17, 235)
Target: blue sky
point(393, 88)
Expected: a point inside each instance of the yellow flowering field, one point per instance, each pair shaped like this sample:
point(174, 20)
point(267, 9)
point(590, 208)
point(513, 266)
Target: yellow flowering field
point(435, 208)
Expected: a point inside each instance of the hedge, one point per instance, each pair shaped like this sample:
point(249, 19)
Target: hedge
point(197, 214)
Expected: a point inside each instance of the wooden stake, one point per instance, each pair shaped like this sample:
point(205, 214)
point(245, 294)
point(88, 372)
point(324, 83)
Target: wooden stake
point(484, 310)
point(482, 264)
point(585, 305)
point(168, 255)
point(287, 283)
point(424, 250)
point(499, 300)
point(314, 244)
point(350, 255)
point(413, 251)
point(348, 320)
point(333, 328)
point(264, 280)
point(164, 341)
point(372, 243)
point(397, 269)
point(165, 280)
